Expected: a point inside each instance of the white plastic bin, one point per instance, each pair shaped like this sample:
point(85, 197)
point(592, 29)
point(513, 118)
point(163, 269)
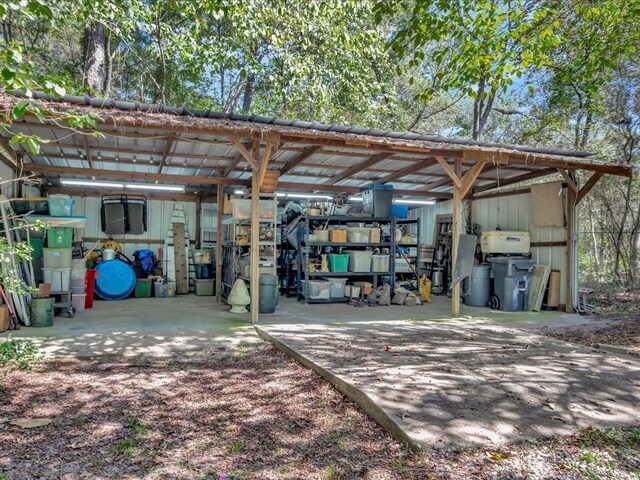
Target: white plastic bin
point(337, 286)
point(352, 291)
point(57, 257)
point(59, 278)
point(380, 263)
point(78, 301)
point(359, 260)
point(318, 289)
point(357, 235)
point(241, 208)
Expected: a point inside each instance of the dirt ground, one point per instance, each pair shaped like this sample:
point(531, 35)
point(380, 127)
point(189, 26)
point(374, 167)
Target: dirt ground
point(622, 311)
point(247, 413)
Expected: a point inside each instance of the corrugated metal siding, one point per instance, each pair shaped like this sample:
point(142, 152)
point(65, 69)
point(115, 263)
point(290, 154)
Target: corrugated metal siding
point(158, 222)
point(7, 173)
point(508, 213)
point(514, 213)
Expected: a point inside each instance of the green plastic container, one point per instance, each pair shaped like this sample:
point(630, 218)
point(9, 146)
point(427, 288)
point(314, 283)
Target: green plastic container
point(143, 288)
point(60, 237)
point(338, 262)
point(42, 312)
point(36, 245)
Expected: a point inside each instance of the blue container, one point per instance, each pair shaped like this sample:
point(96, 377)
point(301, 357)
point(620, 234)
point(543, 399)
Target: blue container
point(60, 205)
point(399, 211)
point(115, 280)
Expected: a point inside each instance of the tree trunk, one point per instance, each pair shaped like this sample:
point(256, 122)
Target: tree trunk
point(247, 99)
point(94, 74)
point(108, 77)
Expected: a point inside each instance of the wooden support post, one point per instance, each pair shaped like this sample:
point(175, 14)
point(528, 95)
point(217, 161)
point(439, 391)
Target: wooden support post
point(569, 177)
point(220, 210)
point(181, 259)
point(255, 243)
point(455, 237)
point(198, 223)
point(571, 204)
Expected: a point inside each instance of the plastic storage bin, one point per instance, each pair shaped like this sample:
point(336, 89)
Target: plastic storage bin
point(377, 200)
point(41, 312)
point(357, 235)
point(60, 237)
point(202, 257)
point(143, 288)
point(374, 235)
point(241, 209)
point(352, 291)
point(360, 260)
point(399, 211)
point(34, 205)
point(57, 257)
point(318, 289)
point(204, 288)
point(321, 235)
point(60, 205)
point(338, 262)
point(159, 290)
point(380, 263)
point(337, 286)
point(59, 278)
point(204, 271)
point(36, 247)
point(338, 235)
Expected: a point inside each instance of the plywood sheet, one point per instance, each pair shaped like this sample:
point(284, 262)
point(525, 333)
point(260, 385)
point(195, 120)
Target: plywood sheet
point(537, 286)
point(546, 205)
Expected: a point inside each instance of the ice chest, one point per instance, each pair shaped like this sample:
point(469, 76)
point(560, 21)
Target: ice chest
point(499, 241)
point(204, 287)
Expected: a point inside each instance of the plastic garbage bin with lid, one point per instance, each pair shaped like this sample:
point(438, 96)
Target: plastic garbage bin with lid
point(268, 293)
point(477, 287)
point(511, 283)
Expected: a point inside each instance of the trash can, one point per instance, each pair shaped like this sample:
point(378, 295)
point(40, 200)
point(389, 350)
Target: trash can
point(511, 283)
point(476, 289)
point(268, 293)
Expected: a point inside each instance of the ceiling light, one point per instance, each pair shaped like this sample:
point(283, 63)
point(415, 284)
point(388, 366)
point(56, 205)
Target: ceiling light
point(407, 201)
point(238, 192)
point(305, 195)
point(355, 199)
point(89, 183)
point(146, 186)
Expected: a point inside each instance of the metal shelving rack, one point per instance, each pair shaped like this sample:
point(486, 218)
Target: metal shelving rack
point(303, 257)
point(415, 259)
point(232, 251)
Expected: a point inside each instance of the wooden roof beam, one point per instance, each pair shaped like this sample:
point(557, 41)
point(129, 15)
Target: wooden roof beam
point(124, 175)
point(167, 148)
point(518, 179)
point(586, 188)
point(291, 164)
point(359, 167)
point(411, 169)
point(242, 150)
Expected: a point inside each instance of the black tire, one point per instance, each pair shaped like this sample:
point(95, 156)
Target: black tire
point(494, 302)
point(71, 312)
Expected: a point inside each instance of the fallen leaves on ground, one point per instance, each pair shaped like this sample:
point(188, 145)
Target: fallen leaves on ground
point(253, 414)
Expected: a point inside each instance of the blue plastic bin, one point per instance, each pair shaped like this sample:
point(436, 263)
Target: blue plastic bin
point(399, 211)
point(60, 205)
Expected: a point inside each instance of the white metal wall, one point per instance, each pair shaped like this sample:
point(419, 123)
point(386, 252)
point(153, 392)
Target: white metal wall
point(8, 188)
point(508, 213)
point(158, 222)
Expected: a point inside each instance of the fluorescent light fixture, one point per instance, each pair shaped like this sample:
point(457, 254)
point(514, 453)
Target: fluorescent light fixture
point(355, 199)
point(304, 195)
point(147, 186)
point(238, 192)
point(90, 183)
point(407, 201)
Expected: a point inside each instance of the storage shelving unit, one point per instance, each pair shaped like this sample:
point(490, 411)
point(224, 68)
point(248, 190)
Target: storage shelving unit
point(238, 228)
point(414, 226)
point(439, 270)
point(307, 249)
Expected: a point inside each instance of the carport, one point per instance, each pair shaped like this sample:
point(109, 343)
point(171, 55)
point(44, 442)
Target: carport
point(209, 153)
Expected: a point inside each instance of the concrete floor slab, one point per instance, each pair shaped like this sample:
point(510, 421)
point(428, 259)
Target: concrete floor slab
point(467, 382)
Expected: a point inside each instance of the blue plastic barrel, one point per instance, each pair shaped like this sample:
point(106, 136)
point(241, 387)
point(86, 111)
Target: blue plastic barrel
point(115, 280)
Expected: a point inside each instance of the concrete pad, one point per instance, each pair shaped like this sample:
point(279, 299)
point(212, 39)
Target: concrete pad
point(467, 383)
point(185, 325)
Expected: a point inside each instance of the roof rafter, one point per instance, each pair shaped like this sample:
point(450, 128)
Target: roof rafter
point(167, 148)
point(291, 164)
point(359, 167)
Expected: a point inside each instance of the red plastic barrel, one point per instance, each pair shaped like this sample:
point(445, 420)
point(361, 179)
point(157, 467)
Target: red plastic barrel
point(89, 283)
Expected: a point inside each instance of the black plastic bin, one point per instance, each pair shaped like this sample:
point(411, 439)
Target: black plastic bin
point(511, 283)
point(204, 271)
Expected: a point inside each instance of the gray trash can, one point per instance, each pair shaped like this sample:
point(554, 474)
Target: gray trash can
point(511, 283)
point(476, 289)
point(268, 293)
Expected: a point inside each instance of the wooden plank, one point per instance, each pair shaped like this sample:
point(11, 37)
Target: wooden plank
point(167, 148)
point(255, 246)
point(408, 170)
point(548, 244)
point(569, 178)
point(455, 237)
point(586, 188)
point(180, 259)
point(457, 181)
point(308, 153)
point(126, 175)
point(220, 203)
point(264, 163)
point(537, 286)
point(470, 177)
point(571, 202)
point(553, 299)
point(245, 153)
point(513, 180)
point(323, 187)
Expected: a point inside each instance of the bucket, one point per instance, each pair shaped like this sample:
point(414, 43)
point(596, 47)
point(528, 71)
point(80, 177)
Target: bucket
point(42, 312)
point(79, 302)
point(108, 254)
point(143, 288)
